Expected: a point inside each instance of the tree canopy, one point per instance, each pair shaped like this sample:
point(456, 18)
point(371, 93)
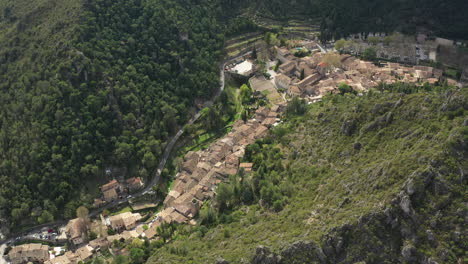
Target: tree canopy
point(108, 93)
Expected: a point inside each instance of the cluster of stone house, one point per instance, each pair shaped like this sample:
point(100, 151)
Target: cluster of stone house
point(319, 78)
point(113, 190)
point(124, 221)
point(82, 254)
point(202, 171)
point(38, 253)
point(77, 234)
point(34, 253)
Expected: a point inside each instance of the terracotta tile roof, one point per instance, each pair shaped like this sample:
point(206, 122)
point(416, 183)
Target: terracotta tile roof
point(246, 166)
point(135, 183)
point(111, 185)
point(322, 64)
point(100, 243)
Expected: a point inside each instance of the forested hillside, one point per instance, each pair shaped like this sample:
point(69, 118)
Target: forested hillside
point(374, 179)
point(86, 85)
point(341, 18)
point(441, 17)
point(35, 40)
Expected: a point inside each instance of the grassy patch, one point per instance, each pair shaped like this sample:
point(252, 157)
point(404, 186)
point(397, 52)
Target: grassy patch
point(243, 43)
point(123, 210)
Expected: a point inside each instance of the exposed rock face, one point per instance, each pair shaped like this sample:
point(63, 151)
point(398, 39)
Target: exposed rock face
point(263, 255)
point(357, 146)
point(348, 127)
point(380, 109)
point(380, 122)
point(222, 261)
point(405, 205)
point(303, 252)
point(453, 101)
point(408, 253)
point(393, 235)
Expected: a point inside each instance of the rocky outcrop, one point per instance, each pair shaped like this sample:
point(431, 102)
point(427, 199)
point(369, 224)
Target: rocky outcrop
point(263, 255)
point(348, 127)
point(222, 261)
point(380, 122)
point(395, 234)
point(303, 252)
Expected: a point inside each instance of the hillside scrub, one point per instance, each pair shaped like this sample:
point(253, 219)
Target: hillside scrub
point(393, 193)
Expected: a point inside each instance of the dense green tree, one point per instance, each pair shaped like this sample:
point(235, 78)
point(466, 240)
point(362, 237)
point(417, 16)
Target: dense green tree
point(297, 106)
point(108, 82)
point(165, 231)
point(46, 217)
point(369, 54)
point(137, 255)
point(245, 94)
point(344, 88)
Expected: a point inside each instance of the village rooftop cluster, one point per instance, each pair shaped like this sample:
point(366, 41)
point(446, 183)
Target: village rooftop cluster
point(114, 190)
point(203, 170)
point(314, 76)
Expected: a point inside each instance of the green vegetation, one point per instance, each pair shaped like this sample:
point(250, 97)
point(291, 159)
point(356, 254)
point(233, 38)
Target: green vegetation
point(344, 89)
point(339, 164)
point(339, 18)
point(78, 97)
point(369, 54)
point(224, 112)
point(123, 210)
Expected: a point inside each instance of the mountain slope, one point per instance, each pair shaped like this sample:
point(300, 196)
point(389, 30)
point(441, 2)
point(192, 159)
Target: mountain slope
point(34, 38)
point(378, 178)
point(90, 85)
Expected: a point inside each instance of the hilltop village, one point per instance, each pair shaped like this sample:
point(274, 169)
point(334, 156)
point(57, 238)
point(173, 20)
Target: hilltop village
point(317, 74)
point(323, 73)
point(284, 76)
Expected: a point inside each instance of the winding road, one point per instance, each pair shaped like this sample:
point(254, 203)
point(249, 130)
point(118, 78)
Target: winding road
point(154, 181)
